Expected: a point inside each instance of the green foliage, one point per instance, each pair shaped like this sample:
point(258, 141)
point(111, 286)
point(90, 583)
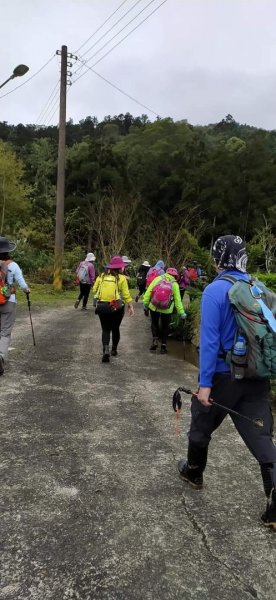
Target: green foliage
point(72, 258)
point(269, 279)
point(153, 190)
point(30, 259)
point(132, 284)
point(191, 324)
point(235, 144)
point(14, 193)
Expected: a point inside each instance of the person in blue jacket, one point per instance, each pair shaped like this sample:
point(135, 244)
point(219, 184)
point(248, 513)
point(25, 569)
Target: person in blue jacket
point(247, 396)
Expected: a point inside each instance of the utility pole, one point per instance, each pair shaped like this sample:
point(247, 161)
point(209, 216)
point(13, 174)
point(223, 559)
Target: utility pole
point(59, 237)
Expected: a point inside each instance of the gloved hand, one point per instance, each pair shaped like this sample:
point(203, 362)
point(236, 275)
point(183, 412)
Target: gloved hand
point(176, 401)
point(183, 316)
point(146, 311)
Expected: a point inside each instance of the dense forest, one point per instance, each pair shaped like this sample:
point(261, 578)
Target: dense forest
point(162, 189)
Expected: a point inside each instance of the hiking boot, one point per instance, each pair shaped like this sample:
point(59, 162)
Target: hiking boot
point(106, 355)
point(193, 476)
point(154, 345)
point(163, 349)
point(1, 366)
point(76, 303)
point(269, 516)
point(84, 308)
point(114, 351)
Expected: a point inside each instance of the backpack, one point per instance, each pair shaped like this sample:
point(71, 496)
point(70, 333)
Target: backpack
point(152, 274)
point(161, 294)
point(254, 308)
point(108, 288)
point(5, 288)
point(83, 273)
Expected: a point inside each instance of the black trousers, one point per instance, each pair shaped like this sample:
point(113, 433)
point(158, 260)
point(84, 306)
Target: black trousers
point(84, 292)
point(182, 292)
point(250, 397)
point(160, 323)
point(142, 289)
point(111, 323)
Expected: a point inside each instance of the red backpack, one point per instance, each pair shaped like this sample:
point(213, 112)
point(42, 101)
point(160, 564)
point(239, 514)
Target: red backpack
point(5, 288)
point(152, 274)
point(162, 294)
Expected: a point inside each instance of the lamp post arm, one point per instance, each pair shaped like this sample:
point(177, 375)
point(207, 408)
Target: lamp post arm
point(7, 80)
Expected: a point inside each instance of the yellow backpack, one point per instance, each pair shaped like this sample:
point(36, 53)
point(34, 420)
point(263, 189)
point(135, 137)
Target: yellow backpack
point(108, 288)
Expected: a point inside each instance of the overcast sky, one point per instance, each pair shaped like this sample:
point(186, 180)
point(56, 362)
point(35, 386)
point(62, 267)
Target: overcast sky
point(192, 59)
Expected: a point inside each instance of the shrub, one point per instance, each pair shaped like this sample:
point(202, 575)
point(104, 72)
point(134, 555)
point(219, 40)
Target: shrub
point(30, 259)
point(191, 324)
point(269, 279)
point(132, 283)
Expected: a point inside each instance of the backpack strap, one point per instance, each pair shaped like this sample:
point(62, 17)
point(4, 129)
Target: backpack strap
point(4, 266)
point(223, 353)
point(229, 278)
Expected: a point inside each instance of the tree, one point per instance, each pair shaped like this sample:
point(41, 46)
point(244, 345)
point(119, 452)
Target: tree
point(113, 220)
point(14, 193)
point(267, 240)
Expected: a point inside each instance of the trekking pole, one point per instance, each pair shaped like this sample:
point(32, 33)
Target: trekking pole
point(177, 403)
point(29, 306)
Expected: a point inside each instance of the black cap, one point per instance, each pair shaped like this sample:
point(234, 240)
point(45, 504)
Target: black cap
point(6, 246)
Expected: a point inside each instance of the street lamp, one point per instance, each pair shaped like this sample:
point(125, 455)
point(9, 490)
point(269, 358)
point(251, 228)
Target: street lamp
point(17, 72)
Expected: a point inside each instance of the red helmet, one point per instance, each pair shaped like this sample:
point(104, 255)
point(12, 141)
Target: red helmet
point(172, 271)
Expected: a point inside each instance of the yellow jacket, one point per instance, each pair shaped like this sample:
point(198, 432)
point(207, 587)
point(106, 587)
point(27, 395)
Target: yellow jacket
point(107, 287)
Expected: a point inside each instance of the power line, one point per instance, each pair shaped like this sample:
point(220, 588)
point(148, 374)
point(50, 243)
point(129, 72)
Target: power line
point(54, 103)
point(43, 112)
point(101, 26)
point(116, 87)
point(120, 41)
point(108, 31)
point(29, 79)
point(52, 114)
point(118, 33)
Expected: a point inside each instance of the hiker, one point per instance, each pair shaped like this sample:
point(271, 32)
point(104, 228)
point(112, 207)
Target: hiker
point(111, 289)
point(141, 278)
point(198, 268)
point(184, 281)
point(160, 299)
point(155, 271)
point(127, 261)
point(227, 384)
point(85, 277)
point(192, 274)
point(10, 273)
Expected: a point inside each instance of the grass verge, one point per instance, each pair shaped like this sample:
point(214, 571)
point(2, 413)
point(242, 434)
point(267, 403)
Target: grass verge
point(43, 294)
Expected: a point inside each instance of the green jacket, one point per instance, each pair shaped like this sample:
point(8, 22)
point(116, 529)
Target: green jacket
point(177, 302)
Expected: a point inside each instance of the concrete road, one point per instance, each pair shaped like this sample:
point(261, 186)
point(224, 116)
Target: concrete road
point(92, 507)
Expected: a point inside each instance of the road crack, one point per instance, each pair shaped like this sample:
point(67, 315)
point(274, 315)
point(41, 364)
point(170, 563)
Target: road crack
point(199, 529)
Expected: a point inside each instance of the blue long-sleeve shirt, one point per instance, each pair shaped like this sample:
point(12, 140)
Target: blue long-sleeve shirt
point(14, 275)
point(218, 327)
